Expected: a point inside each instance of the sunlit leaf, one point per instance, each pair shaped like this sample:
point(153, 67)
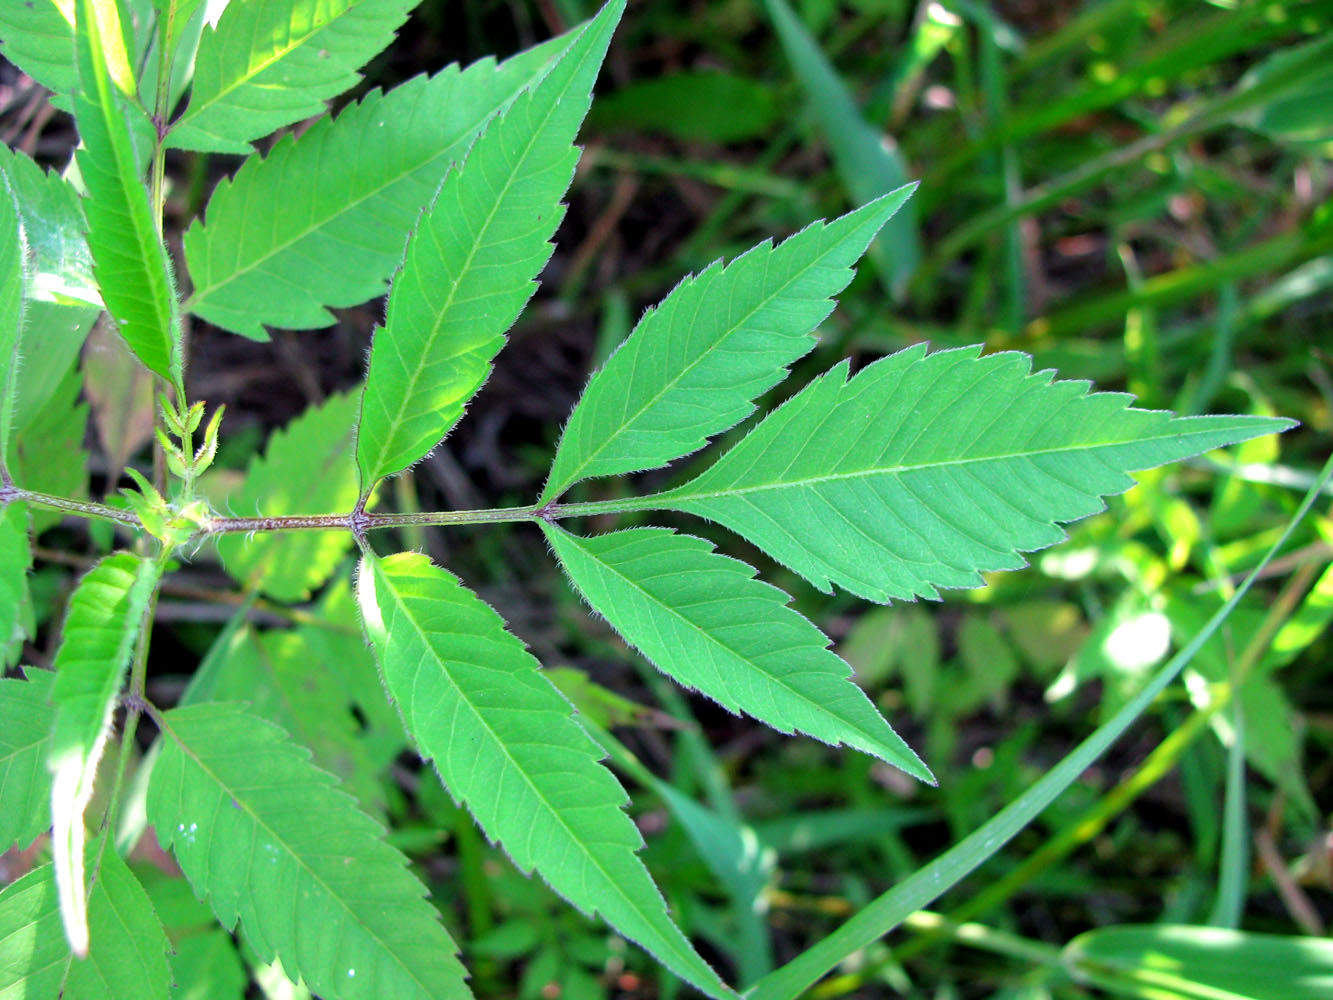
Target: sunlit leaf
point(506, 744)
point(471, 263)
point(926, 470)
point(266, 837)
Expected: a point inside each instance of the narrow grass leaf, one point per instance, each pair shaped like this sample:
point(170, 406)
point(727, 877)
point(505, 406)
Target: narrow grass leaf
point(270, 841)
point(694, 365)
point(471, 264)
point(331, 232)
point(867, 160)
point(307, 468)
point(25, 734)
point(933, 880)
point(129, 962)
point(269, 63)
point(947, 465)
point(507, 745)
point(1212, 962)
point(707, 622)
point(130, 261)
point(97, 640)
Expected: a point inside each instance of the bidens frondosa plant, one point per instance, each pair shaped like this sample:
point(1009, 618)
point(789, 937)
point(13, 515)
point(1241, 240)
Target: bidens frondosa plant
point(919, 472)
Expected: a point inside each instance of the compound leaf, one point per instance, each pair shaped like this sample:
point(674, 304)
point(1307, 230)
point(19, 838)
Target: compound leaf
point(506, 744)
point(927, 469)
point(25, 732)
point(129, 962)
point(130, 262)
point(100, 631)
point(331, 232)
point(471, 264)
point(306, 468)
point(693, 367)
point(271, 841)
point(707, 622)
point(269, 63)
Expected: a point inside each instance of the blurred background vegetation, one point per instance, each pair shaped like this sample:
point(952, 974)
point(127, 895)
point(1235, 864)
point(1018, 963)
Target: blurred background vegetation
point(1133, 191)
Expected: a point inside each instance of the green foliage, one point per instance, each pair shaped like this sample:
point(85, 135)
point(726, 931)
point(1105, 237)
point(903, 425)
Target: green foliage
point(472, 261)
point(237, 801)
point(265, 65)
point(285, 782)
point(945, 446)
point(529, 773)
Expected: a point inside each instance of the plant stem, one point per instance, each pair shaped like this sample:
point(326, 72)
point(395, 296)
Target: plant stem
point(101, 512)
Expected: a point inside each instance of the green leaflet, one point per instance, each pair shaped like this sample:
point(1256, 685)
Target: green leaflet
point(269, 63)
point(61, 268)
point(471, 263)
point(693, 367)
point(48, 453)
point(284, 679)
point(129, 962)
point(927, 469)
point(25, 784)
point(706, 621)
point(16, 618)
point(867, 161)
point(271, 841)
point(98, 637)
point(37, 38)
point(331, 232)
point(131, 264)
point(506, 744)
point(13, 254)
point(306, 468)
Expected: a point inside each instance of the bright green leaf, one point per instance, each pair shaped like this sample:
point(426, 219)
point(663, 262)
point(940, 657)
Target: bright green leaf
point(332, 229)
point(48, 453)
point(25, 783)
point(507, 745)
point(13, 265)
point(867, 160)
point(307, 468)
point(927, 469)
point(99, 635)
point(61, 267)
point(1208, 962)
point(269, 63)
point(694, 365)
point(38, 37)
point(471, 264)
point(130, 261)
point(129, 962)
point(271, 841)
point(16, 617)
point(707, 622)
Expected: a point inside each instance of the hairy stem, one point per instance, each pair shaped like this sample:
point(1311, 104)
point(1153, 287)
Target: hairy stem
point(82, 508)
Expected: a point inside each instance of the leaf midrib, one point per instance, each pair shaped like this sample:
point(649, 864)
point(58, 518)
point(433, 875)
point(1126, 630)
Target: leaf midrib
point(714, 640)
point(592, 858)
point(812, 481)
point(497, 121)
